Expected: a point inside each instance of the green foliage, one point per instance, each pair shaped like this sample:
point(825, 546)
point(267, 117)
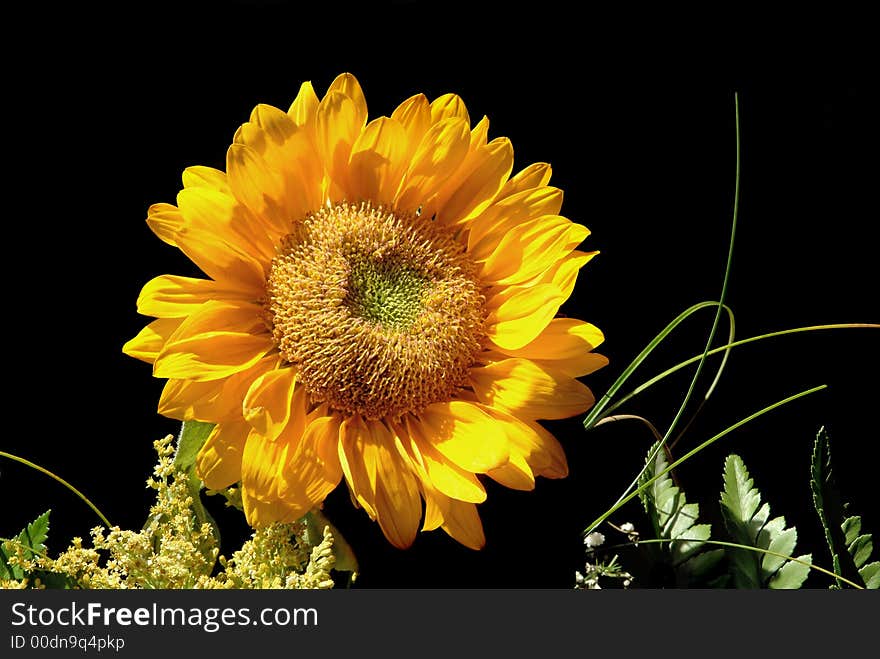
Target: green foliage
point(674, 519)
point(748, 522)
point(31, 540)
point(850, 548)
point(193, 435)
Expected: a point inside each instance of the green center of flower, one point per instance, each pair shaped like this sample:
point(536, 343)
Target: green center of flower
point(385, 293)
point(380, 313)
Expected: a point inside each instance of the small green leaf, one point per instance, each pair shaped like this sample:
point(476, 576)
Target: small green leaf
point(852, 529)
point(783, 543)
point(861, 549)
point(739, 497)
point(792, 575)
point(871, 574)
point(193, 435)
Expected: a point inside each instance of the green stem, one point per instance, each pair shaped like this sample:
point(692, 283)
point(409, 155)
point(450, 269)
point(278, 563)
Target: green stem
point(70, 487)
point(620, 502)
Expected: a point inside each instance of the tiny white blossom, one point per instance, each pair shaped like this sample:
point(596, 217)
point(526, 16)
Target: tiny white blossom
point(594, 539)
point(627, 527)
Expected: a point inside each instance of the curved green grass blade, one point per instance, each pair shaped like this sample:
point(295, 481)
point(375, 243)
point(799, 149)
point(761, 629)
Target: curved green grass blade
point(70, 487)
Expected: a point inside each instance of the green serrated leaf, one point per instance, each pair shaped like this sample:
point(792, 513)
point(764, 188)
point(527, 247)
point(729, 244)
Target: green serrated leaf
point(32, 537)
point(861, 549)
point(673, 518)
point(783, 543)
point(792, 575)
point(35, 534)
point(700, 565)
point(747, 523)
point(830, 508)
point(852, 529)
point(870, 573)
point(739, 498)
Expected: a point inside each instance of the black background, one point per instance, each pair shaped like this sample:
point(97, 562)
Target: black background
point(103, 111)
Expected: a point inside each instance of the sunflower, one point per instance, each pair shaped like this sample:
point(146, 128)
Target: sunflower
point(379, 305)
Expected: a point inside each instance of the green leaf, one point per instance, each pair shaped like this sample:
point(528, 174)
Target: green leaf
point(748, 523)
point(791, 575)
point(32, 537)
point(674, 519)
point(871, 574)
point(830, 508)
point(852, 529)
point(860, 549)
point(193, 435)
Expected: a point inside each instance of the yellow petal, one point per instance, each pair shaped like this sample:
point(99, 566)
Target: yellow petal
point(449, 106)
point(218, 463)
point(261, 465)
point(213, 237)
point(149, 342)
point(270, 401)
point(276, 124)
point(214, 342)
point(462, 522)
point(188, 401)
point(337, 127)
point(314, 470)
point(165, 221)
point(214, 400)
point(516, 474)
point(464, 434)
point(541, 450)
point(358, 456)
point(199, 176)
point(305, 107)
point(528, 391)
point(257, 185)
point(535, 175)
point(485, 175)
point(530, 248)
point(487, 229)
point(377, 161)
point(398, 503)
point(414, 115)
point(521, 314)
point(347, 84)
point(446, 476)
point(565, 346)
point(441, 150)
point(170, 296)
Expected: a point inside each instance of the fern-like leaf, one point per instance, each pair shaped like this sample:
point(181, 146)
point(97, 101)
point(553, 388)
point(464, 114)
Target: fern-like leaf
point(32, 538)
point(850, 548)
point(831, 510)
point(748, 522)
point(673, 518)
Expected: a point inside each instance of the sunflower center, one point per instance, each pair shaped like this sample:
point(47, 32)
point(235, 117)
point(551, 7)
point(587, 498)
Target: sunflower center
point(380, 312)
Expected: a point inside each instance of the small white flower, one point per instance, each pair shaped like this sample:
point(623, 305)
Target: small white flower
point(594, 539)
point(627, 527)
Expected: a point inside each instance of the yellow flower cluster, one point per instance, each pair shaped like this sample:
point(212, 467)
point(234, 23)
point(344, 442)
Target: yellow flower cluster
point(174, 551)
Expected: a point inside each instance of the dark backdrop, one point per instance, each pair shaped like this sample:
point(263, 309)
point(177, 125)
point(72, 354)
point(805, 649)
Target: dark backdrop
point(636, 115)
